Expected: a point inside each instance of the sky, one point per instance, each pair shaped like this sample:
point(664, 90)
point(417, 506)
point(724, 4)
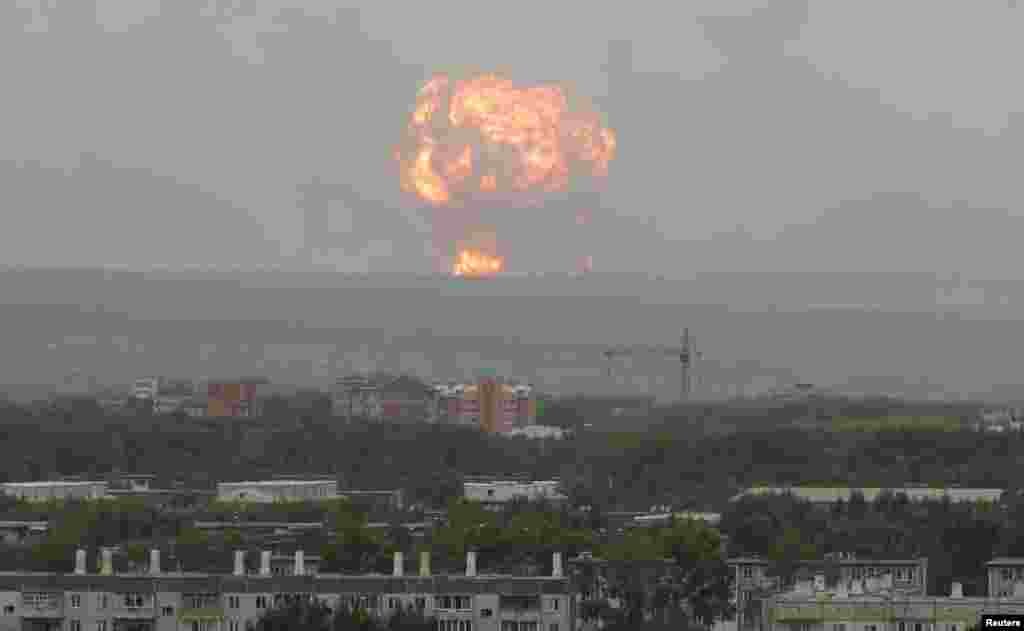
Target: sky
point(149, 132)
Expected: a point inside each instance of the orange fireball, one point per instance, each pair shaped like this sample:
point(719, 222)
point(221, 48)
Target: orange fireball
point(485, 135)
point(474, 263)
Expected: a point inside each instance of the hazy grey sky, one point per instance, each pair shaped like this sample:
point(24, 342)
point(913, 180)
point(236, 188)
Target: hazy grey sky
point(763, 118)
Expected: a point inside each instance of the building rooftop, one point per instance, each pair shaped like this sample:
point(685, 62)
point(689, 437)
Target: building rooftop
point(269, 483)
point(1006, 561)
point(834, 494)
point(43, 484)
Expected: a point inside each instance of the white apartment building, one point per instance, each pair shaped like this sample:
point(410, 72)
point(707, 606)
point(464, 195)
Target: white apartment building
point(268, 491)
point(56, 490)
point(496, 493)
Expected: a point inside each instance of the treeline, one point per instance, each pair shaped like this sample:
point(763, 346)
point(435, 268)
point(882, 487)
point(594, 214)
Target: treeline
point(673, 461)
point(957, 539)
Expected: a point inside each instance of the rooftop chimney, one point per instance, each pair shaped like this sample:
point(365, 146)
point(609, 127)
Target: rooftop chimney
point(399, 564)
point(265, 563)
point(107, 562)
point(556, 564)
point(424, 563)
point(79, 561)
point(471, 563)
point(154, 561)
point(300, 564)
point(957, 591)
point(239, 563)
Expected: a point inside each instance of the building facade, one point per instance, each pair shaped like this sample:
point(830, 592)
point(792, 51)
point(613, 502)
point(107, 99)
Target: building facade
point(394, 399)
point(230, 399)
point(55, 490)
point(827, 496)
point(268, 491)
point(489, 404)
point(752, 586)
point(157, 601)
point(497, 493)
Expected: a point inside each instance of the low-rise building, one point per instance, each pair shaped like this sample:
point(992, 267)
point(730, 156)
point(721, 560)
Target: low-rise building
point(875, 607)
point(55, 490)
point(176, 601)
point(494, 494)
point(826, 496)
point(267, 491)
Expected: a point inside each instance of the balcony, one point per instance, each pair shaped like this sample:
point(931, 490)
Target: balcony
point(42, 606)
point(201, 613)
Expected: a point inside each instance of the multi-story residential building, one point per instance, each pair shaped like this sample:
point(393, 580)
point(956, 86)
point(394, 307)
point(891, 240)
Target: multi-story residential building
point(752, 584)
point(827, 496)
point(874, 605)
point(267, 491)
point(488, 404)
point(146, 388)
point(55, 490)
point(158, 601)
point(494, 494)
point(231, 399)
point(397, 399)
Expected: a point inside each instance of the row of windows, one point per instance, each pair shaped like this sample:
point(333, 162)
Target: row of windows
point(901, 626)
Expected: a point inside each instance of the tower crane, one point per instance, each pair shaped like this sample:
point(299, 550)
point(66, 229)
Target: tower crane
point(686, 352)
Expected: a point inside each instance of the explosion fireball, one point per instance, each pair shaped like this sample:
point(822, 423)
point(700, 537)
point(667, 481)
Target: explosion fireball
point(481, 139)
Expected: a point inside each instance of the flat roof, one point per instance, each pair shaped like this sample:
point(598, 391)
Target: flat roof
point(1006, 561)
point(30, 485)
point(279, 483)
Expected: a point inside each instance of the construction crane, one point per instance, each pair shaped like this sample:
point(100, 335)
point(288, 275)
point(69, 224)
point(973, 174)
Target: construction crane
point(686, 352)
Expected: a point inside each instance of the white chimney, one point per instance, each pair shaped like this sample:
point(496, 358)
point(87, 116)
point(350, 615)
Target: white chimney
point(471, 563)
point(957, 591)
point(399, 568)
point(424, 563)
point(556, 564)
point(265, 563)
point(154, 561)
point(239, 563)
point(107, 563)
point(79, 561)
point(300, 565)
point(819, 582)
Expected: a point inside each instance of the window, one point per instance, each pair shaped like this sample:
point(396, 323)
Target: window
point(233, 602)
point(528, 626)
point(133, 600)
point(902, 626)
point(76, 602)
point(748, 572)
point(168, 611)
point(553, 626)
point(103, 601)
point(952, 627)
point(486, 613)
point(233, 625)
point(554, 604)
point(871, 627)
point(8, 609)
point(509, 625)
point(76, 625)
point(918, 626)
point(839, 627)
point(911, 573)
point(261, 602)
point(392, 603)
point(421, 603)
point(101, 625)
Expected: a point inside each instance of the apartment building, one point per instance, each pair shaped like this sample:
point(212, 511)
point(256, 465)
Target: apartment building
point(827, 496)
point(157, 601)
point(496, 493)
point(269, 491)
point(874, 606)
point(752, 586)
point(55, 490)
